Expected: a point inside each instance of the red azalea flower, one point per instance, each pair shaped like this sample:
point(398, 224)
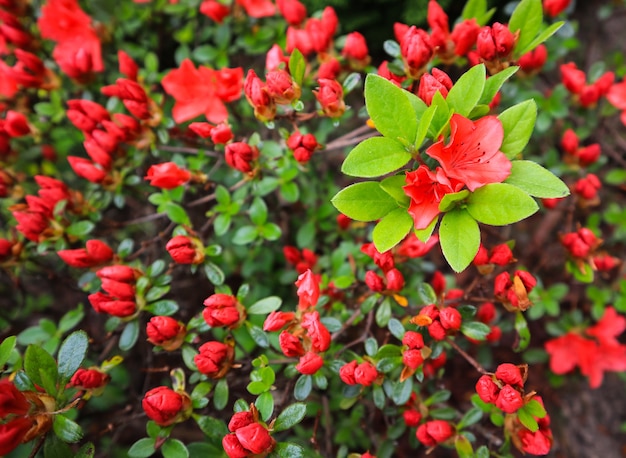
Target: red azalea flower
point(473, 154)
point(214, 10)
point(197, 91)
point(167, 175)
point(316, 331)
point(258, 8)
point(308, 290)
point(426, 189)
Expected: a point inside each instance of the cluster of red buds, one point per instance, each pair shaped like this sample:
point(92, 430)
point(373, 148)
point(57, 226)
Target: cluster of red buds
point(223, 310)
point(434, 432)
point(94, 254)
point(313, 35)
point(504, 388)
point(303, 146)
point(575, 80)
point(304, 335)
point(248, 437)
point(214, 359)
point(586, 188)
point(355, 373)
point(118, 282)
point(301, 260)
point(241, 156)
point(583, 156)
point(440, 321)
point(393, 281)
point(486, 260)
point(513, 292)
point(36, 218)
point(278, 89)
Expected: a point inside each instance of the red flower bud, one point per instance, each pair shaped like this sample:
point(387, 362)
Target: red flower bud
point(589, 154)
point(374, 281)
point(412, 358)
point(255, 438)
point(501, 255)
point(509, 400)
point(413, 340)
point(450, 318)
point(239, 420)
point(330, 97)
point(214, 359)
point(365, 373)
point(128, 67)
point(308, 290)
point(416, 49)
point(487, 389)
point(355, 47)
point(86, 169)
point(215, 10)
point(439, 81)
point(569, 142)
point(15, 124)
point(329, 69)
point(310, 363)
point(12, 400)
point(258, 96)
point(184, 250)
point(573, 78)
point(290, 345)
point(434, 432)
point(534, 60)
point(588, 186)
point(510, 374)
point(221, 134)
point(346, 373)
point(395, 280)
point(486, 312)
point(13, 433)
point(167, 175)
point(276, 320)
point(316, 331)
point(162, 404)
point(281, 87)
point(437, 331)
point(103, 303)
point(201, 129)
point(89, 379)
point(555, 7)
point(412, 417)
point(221, 310)
point(166, 332)
point(293, 11)
point(239, 155)
point(464, 36)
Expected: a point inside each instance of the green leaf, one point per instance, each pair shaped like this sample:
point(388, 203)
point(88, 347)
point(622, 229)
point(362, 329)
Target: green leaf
point(258, 335)
point(265, 305)
point(374, 157)
point(80, 228)
point(494, 83)
point(6, 347)
point(142, 448)
point(220, 395)
point(535, 408)
point(156, 292)
point(257, 388)
point(86, 451)
point(176, 213)
point(297, 66)
point(270, 231)
point(379, 396)
point(499, 204)
point(459, 237)
point(467, 91)
point(533, 179)
point(38, 361)
point(173, 448)
point(426, 293)
point(392, 48)
point(521, 326)
point(288, 450)
point(527, 420)
point(389, 108)
point(424, 125)
point(518, 123)
point(527, 18)
point(72, 353)
point(482, 452)
point(393, 186)
point(164, 307)
point(66, 429)
point(365, 201)
point(438, 397)
point(424, 234)
point(441, 117)
point(350, 82)
point(265, 404)
point(543, 36)
point(450, 199)
point(401, 392)
point(71, 319)
point(213, 273)
point(290, 416)
point(303, 387)
point(129, 335)
point(215, 429)
point(383, 313)
point(396, 328)
point(472, 416)
point(392, 229)
point(258, 211)
point(475, 330)
point(245, 235)
point(463, 447)
point(474, 9)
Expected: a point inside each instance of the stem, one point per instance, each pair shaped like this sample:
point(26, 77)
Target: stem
point(467, 357)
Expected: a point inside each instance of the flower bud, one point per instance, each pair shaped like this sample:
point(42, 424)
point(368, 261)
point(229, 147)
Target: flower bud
point(293, 11)
point(365, 373)
point(569, 142)
point(501, 255)
point(412, 358)
point(167, 175)
point(434, 432)
point(89, 379)
point(413, 340)
point(277, 320)
point(185, 250)
point(255, 438)
point(555, 7)
point(215, 10)
point(84, 168)
point(214, 359)
point(239, 420)
point(573, 78)
point(487, 389)
point(346, 373)
point(416, 49)
point(509, 400)
point(464, 36)
point(330, 97)
point(395, 280)
point(166, 332)
point(290, 345)
point(316, 331)
point(239, 155)
point(510, 374)
point(310, 363)
point(128, 67)
point(355, 47)
point(221, 134)
point(374, 281)
point(450, 318)
point(164, 405)
point(103, 303)
point(534, 60)
point(412, 417)
point(281, 87)
point(222, 310)
point(588, 186)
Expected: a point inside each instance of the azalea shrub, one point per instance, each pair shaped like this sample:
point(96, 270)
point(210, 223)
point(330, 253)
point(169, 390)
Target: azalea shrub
point(228, 230)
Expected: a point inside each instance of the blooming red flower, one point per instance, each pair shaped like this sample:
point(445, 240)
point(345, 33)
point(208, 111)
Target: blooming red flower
point(198, 91)
point(308, 290)
point(12, 400)
point(473, 154)
point(426, 189)
point(167, 175)
point(215, 10)
point(12, 434)
point(316, 331)
point(258, 8)
point(95, 253)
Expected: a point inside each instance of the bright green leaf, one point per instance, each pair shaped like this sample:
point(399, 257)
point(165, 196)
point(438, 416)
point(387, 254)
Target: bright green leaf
point(518, 123)
point(389, 108)
point(474, 8)
point(374, 157)
point(527, 18)
point(475, 330)
point(6, 347)
point(527, 420)
point(265, 305)
point(424, 125)
point(499, 204)
point(392, 229)
point(303, 387)
point(72, 353)
point(521, 326)
point(467, 91)
point(66, 429)
point(297, 66)
point(364, 201)
point(393, 186)
point(450, 199)
point(459, 237)
point(129, 335)
point(533, 179)
point(543, 36)
point(265, 405)
point(38, 361)
point(290, 416)
point(494, 83)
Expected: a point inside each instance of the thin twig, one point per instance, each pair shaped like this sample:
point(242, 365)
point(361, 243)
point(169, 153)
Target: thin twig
point(467, 357)
point(187, 150)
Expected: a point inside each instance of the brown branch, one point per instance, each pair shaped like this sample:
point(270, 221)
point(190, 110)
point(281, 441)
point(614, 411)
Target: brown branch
point(467, 357)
